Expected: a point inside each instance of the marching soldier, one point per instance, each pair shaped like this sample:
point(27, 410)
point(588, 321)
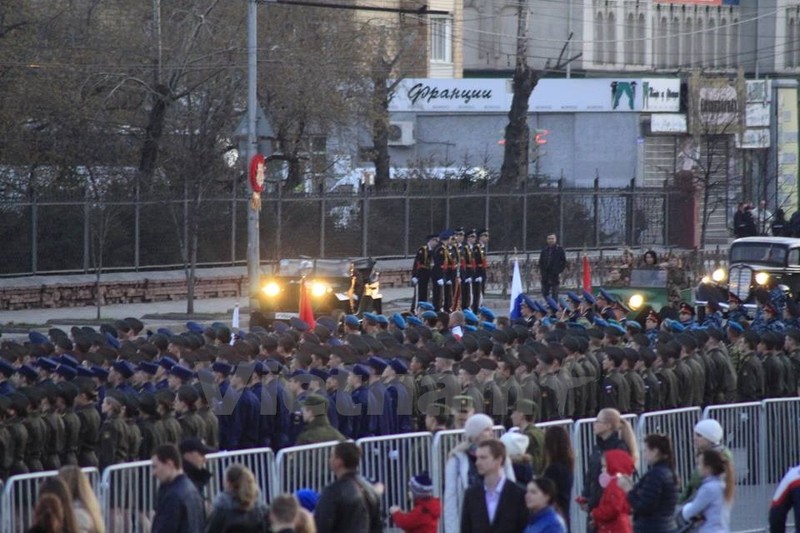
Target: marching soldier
point(421, 271)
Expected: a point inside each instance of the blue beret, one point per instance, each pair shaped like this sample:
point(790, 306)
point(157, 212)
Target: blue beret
point(574, 298)
point(167, 362)
point(181, 372)
point(674, 326)
point(399, 366)
point(165, 331)
point(280, 327)
point(273, 366)
point(124, 368)
point(361, 370)
point(222, 367)
point(488, 313)
point(470, 317)
point(599, 322)
point(382, 320)
point(299, 325)
point(85, 372)
point(539, 307)
point(446, 234)
point(147, 367)
point(66, 371)
point(28, 372)
point(339, 372)
point(260, 368)
point(616, 327)
point(194, 327)
point(529, 302)
point(297, 374)
point(66, 359)
point(378, 363)
point(470, 327)
point(633, 324)
point(489, 326)
point(607, 296)
point(333, 341)
point(415, 321)
point(100, 372)
point(37, 338)
point(563, 302)
point(735, 326)
point(587, 296)
point(352, 321)
point(428, 315)
point(399, 321)
point(47, 364)
point(321, 374)
point(426, 306)
point(552, 304)
point(6, 368)
point(372, 318)
point(112, 341)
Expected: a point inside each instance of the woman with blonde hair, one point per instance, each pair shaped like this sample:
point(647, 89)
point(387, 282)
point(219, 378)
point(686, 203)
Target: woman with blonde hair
point(239, 506)
point(84, 502)
point(612, 432)
point(50, 516)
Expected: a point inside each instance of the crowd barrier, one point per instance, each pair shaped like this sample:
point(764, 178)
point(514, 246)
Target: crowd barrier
point(762, 436)
point(19, 495)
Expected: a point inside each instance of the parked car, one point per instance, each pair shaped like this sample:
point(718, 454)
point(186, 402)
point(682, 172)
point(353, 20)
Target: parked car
point(346, 284)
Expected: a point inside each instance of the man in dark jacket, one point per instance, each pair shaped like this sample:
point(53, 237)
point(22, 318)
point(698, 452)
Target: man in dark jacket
point(497, 504)
point(552, 262)
point(179, 507)
point(350, 503)
point(193, 454)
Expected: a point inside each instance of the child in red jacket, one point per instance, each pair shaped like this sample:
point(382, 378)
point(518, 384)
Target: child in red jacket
point(613, 514)
point(424, 517)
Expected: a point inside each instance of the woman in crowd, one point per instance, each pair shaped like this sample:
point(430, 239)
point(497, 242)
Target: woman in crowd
point(84, 502)
point(653, 498)
point(559, 460)
point(55, 488)
point(48, 516)
point(460, 471)
point(650, 259)
point(612, 432)
point(712, 504)
point(540, 499)
point(238, 506)
point(708, 435)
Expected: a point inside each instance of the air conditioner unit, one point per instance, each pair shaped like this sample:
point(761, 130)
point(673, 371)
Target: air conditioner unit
point(401, 134)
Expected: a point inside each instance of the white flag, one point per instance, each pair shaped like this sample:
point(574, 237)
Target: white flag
point(516, 285)
point(235, 319)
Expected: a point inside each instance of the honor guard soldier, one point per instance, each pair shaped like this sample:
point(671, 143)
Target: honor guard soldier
point(479, 279)
point(468, 268)
point(454, 271)
point(421, 271)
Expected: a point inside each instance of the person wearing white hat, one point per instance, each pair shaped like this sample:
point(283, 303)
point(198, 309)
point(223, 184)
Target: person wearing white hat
point(708, 435)
point(516, 444)
point(460, 471)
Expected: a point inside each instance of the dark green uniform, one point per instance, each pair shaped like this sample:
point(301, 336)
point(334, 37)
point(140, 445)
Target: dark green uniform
point(725, 377)
point(774, 378)
point(211, 424)
point(319, 430)
point(474, 392)
point(494, 403)
point(424, 385)
point(56, 441)
point(579, 388)
point(37, 433)
point(652, 391)
point(615, 392)
point(72, 436)
point(113, 441)
point(569, 392)
point(89, 439)
point(152, 437)
point(554, 396)
point(750, 381)
point(6, 451)
point(790, 378)
point(192, 425)
point(19, 438)
point(794, 359)
point(684, 394)
point(172, 428)
point(668, 385)
point(592, 381)
point(636, 386)
point(511, 392)
point(698, 379)
point(535, 447)
point(532, 391)
point(134, 437)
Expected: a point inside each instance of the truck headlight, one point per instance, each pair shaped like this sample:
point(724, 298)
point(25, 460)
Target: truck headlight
point(719, 275)
point(271, 289)
point(635, 302)
point(762, 278)
point(319, 289)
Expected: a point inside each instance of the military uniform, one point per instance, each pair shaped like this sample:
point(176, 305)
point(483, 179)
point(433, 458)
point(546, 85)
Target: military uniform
point(467, 275)
point(668, 387)
point(790, 378)
point(171, 428)
point(615, 392)
point(319, 429)
point(774, 378)
point(89, 438)
point(19, 439)
point(211, 424)
point(637, 391)
point(37, 433)
point(750, 381)
point(421, 271)
point(113, 441)
point(451, 276)
point(134, 437)
point(72, 436)
point(479, 279)
point(56, 441)
point(439, 275)
point(554, 397)
point(152, 437)
point(652, 391)
point(192, 425)
point(685, 391)
point(725, 377)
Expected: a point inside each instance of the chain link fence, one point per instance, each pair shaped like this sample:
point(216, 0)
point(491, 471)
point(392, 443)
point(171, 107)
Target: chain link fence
point(50, 233)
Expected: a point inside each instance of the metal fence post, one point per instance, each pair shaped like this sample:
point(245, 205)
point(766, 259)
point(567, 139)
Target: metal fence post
point(279, 222)
point(561, 235)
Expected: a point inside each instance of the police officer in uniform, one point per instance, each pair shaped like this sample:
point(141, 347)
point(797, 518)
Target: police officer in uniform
point(421, 271)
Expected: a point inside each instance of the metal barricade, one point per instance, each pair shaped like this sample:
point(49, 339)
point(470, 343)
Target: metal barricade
point(302, 467)
point(443, 444)
point(260, 461)
point(393, 460)
point(678, 425)
point(128, 496)
point(745, 435)
point(583, 440)
point(781, 439)
point(19, 497)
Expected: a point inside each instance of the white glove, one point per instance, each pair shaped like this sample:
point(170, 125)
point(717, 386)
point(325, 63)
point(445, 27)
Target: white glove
point(479, 279)
point(468, 280)
point(414, 281)
point(449, 282)
point(440, 282)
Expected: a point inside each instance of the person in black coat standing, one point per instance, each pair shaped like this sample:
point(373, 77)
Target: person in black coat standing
point(497, 504)
point(552, 262)
point(654, 497)
point(179, 507)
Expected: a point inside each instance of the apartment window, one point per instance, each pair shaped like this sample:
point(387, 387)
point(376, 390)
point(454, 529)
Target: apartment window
point(611, 37)
point(641, 38)
point(629, 44)
point(598, 38)
point(790, 52)
point(688, 41)
point(441, 28)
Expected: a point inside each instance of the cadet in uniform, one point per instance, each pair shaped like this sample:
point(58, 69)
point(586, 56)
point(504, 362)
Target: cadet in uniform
point(554, 393)
point(667, 354)
point(192, 425)
point(113, 447)
point(56, 440)
point(6, 442)
point(150, 428)
point(750, 381)
point(467, 372)
point(37, 430)
point(317, 427)
point(524, 417)
point(16, 413)
point(87, 413)
point(635, 381)
point(165, 403)
point(615, 392)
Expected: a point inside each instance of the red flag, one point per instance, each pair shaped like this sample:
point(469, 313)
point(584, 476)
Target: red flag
point(587, 275)
point(306, 312)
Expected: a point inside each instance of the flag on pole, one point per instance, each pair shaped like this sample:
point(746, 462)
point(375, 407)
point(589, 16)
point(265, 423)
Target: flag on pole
point(587, 275)
point(516, 286)
point(235, 319)
point(306, 312)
